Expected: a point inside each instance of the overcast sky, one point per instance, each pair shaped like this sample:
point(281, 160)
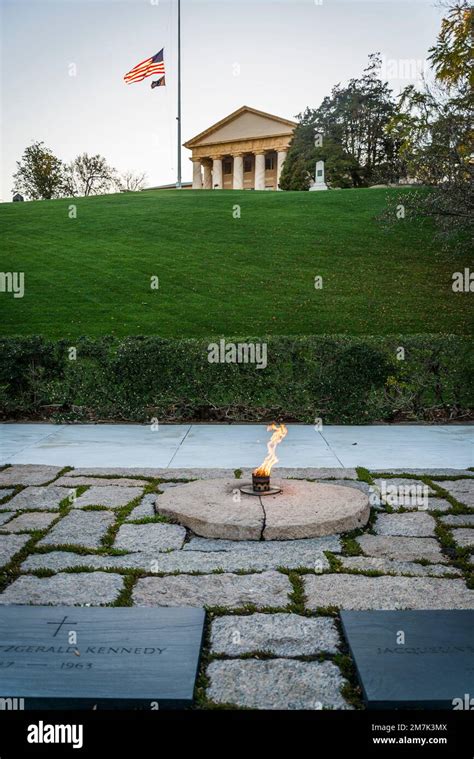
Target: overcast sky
point(275, 55)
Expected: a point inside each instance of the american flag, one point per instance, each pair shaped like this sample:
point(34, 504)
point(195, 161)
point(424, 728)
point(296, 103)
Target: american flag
point(154, 65)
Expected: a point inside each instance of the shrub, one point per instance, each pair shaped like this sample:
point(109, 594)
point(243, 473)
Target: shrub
point(340, 379)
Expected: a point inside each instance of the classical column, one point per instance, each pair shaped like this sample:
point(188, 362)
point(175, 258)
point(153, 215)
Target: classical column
point(259, 171)
point(217, 173)
point(207, 165)
point(197, 176)
point(282, 155)
point(238, 171)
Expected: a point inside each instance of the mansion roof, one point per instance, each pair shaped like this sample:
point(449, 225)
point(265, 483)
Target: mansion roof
point(244, 124)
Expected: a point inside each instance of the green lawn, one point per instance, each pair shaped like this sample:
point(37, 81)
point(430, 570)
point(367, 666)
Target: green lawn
point(224, 276)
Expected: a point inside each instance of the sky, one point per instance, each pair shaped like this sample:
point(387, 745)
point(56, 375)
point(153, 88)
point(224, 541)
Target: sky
point(63, 62)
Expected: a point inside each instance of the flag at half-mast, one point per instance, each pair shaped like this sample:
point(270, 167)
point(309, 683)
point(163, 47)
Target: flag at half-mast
point(159, 83)
point(149, 67)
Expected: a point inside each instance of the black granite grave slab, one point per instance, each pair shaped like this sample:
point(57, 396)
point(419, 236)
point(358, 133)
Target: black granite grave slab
point(123, 658)
point(431, 669)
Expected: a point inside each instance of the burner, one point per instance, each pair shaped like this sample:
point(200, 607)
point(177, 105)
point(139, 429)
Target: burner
point(248, 490)
point(260, 486)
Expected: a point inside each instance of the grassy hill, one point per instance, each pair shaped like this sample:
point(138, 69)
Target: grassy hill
point(224, 276)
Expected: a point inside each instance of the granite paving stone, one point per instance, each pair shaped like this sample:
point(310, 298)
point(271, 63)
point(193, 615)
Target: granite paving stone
point(101, 482)
point(458, 520)
point(279, 634)
point(358, 592)
point(326, 543)
point(81, 528)
point(404, 492)
point(464, 537)
point(364, 487)
point(430, 504)
point(391, 566)
point(461, 490)
point(258, 555)
point(110, 496)
point(146, 508)
point(29, 521)
point(308, 473)
point(437, 504)
point(414, 524)
point(401, 482)
point(10, 545)
point(402, 548)
point(5, 516)
point(163, 486)
point(153, 472)
point(184, 561)
point(85, 588)
point(199, 473)
point(5, 492)
point(447, 472)
point(28, 474)
point(37, 498)
point(276, 684)
point(148, 538)
point(269, 589)
point(114, 471)
point(59, 560)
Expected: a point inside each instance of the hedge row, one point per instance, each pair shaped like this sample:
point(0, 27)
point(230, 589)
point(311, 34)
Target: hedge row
point(336, 378)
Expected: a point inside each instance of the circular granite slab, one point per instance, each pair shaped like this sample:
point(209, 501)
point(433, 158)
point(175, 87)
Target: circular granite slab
point(217, 509)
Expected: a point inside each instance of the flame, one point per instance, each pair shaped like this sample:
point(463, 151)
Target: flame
point(279, 432)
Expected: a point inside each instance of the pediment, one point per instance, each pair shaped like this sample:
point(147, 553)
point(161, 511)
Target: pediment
point(246, 123)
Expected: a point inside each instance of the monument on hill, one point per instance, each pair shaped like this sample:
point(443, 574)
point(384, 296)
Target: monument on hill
point(319, 183)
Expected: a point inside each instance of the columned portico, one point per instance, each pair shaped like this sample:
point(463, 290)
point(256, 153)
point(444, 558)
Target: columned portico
point(197, 175)
point(282, 155)
point(238, 183)
point(217, 173)
point(246, 150)
point(259, 171)
point(207, 166)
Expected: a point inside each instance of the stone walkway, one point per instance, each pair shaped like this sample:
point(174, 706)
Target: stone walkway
point(92, 536)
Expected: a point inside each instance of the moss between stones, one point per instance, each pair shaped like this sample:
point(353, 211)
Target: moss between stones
point(350, 546)
point(363, 475)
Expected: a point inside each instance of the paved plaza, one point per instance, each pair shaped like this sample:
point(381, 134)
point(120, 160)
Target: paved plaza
point(91, 536)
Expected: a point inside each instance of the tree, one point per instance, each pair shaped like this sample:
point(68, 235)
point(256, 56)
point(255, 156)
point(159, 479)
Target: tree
point(131, 182)
point(296, 173)
point(433, 128)
point(452, 55)
point(39, 175)
point(355, 117)
point(89, 175)
point(355, 145)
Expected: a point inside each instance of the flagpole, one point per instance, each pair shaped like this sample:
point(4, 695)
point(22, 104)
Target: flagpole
point(179, 183)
